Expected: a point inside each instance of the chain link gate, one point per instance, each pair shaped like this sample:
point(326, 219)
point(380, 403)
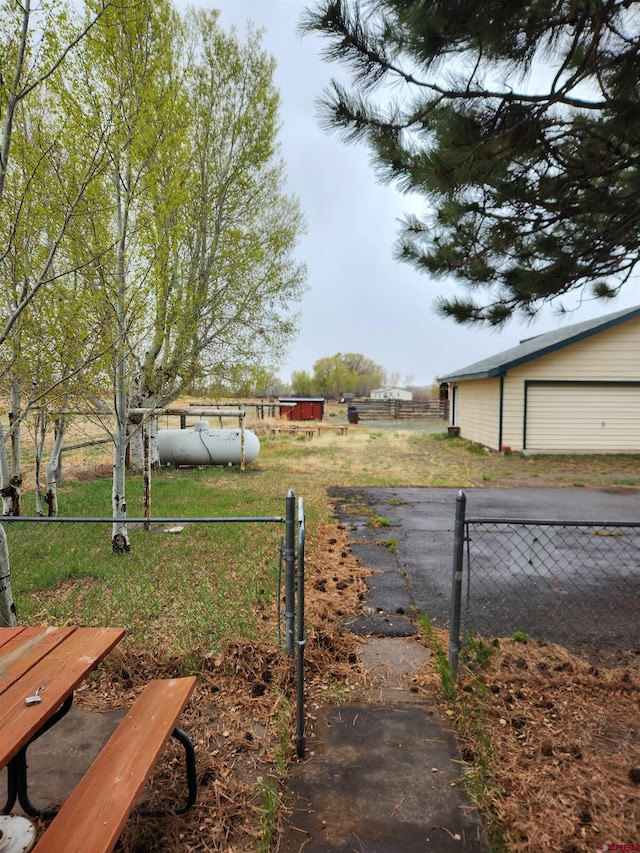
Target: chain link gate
point(575, 583)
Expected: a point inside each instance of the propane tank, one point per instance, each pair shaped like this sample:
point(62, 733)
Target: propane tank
point(203, 446)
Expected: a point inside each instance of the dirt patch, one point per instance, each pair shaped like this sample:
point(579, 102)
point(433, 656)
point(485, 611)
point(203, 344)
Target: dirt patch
point(558, 753)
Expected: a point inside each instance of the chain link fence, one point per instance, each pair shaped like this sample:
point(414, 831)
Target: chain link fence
point(576, 583)
point(185, 584)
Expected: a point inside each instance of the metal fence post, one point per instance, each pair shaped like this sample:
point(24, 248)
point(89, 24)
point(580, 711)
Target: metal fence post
point(289, 571)
point(456, 586)
point(300, 721)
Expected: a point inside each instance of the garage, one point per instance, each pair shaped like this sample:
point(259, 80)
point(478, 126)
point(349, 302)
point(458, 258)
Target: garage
point(575, 389)
point(582, 417)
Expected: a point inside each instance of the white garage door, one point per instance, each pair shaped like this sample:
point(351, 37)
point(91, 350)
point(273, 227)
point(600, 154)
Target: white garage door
point(583, 417)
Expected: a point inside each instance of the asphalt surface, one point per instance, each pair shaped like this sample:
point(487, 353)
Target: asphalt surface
point(577, 591)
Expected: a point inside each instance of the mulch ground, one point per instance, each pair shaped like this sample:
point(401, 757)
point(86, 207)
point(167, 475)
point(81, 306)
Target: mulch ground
point(556, 750)
point(554, 742)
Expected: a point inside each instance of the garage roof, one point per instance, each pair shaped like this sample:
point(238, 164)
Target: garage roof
point(532, 348)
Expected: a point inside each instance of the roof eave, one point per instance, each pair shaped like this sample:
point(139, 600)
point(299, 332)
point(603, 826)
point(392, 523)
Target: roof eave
point(502, 369)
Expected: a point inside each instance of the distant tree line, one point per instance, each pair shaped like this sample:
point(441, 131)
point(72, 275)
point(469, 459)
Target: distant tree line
point(342, 373)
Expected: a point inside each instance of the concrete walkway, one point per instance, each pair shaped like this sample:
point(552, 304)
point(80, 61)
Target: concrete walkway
point(382, 773)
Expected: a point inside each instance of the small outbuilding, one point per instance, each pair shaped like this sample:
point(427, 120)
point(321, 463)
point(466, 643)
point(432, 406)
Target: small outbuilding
point(391, 392)
point(302, 408)
point(572, 390)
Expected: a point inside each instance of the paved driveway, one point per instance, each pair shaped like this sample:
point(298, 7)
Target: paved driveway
point(412, 557)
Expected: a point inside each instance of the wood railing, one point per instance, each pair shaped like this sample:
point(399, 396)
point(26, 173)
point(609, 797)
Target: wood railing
point(400, 409)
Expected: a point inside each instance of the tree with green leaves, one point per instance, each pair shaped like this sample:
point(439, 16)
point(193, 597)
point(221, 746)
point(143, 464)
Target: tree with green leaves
point(224, 283)
point(129, 84)
point(331, 377)
point(345, 373)
point(145, 186)
point(54, 336)
point(302, 383)
point(35, 43)
point(193, 240)
point(368, 374)
point(517, 122)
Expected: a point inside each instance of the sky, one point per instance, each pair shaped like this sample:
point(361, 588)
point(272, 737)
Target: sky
point(359, 299)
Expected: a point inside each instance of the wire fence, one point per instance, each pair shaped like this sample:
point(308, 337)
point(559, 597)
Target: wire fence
point(193, 580)
point(576, 583)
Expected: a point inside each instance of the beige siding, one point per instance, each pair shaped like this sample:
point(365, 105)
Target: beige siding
point(583, 418)
point(609, 357)
point(478, 409)
point(613, 355)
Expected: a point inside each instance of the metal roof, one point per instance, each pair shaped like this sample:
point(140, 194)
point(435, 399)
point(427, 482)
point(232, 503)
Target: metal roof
point(301, 399)
point(532, 348)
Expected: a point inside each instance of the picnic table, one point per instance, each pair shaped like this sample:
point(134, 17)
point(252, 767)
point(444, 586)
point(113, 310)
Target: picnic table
point(292, 429)
point(40, 668)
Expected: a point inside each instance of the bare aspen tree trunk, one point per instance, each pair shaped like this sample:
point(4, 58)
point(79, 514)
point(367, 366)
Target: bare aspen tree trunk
point(135, 430)
point(41, 432)
point(14, 423)
point(149, 423)
point(14, 487)
point(51, 496)
point(7, 607)
point(119, 534)
point(147, 472)
point(4, 473)
point(154, 453)
point(8, 486)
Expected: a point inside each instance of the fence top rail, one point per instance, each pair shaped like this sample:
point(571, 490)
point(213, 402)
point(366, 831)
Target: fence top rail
point(543, 522)
point(149, 520)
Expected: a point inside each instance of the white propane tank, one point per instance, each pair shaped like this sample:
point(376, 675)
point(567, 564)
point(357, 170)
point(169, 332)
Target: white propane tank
point(204, 446)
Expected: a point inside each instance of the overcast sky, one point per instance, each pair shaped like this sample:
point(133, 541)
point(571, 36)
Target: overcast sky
point(359, 299)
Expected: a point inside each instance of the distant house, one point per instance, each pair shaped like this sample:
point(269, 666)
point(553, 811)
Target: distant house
point(391, 393)
point(573, 390)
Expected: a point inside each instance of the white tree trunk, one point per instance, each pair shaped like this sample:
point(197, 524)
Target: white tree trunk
point(137, 426)
point(14, 421)
point(7, 487)
point(41, 433)
point(146, 473)
point(7, 607)
point(14, 490)
point(52, 470)
point(119, 534)
point(136, 448)
point(154, 453)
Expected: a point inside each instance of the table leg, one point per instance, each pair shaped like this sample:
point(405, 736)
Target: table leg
point(17, 786)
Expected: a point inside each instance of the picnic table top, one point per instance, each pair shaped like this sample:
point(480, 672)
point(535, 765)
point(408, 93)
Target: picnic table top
point(49, 663)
